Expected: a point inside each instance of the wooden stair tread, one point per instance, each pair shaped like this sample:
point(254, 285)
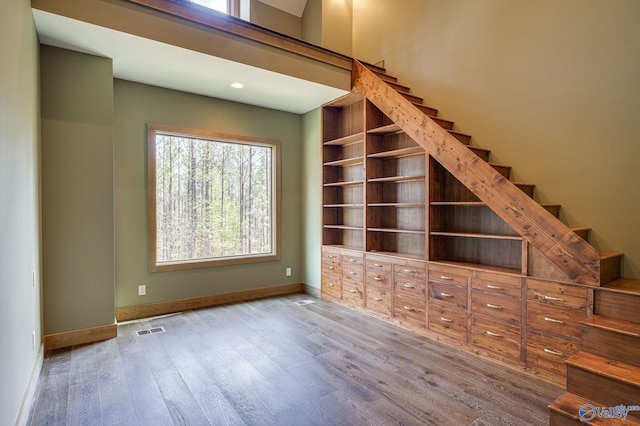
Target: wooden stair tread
point(623, 285)
point(627, 328)
point(568, 405)
point(605, 367)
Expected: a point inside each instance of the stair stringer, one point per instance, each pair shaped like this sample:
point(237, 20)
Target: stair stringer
point(564, 248)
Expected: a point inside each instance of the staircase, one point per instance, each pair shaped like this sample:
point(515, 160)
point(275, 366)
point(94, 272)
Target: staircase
point(606, 373)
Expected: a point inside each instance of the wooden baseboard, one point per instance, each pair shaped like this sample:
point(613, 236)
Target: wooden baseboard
point(153, 309)
point(79, 337)
point(313, 291)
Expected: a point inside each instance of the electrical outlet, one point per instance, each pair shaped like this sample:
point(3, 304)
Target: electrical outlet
point(142, 290)
point(288, 272)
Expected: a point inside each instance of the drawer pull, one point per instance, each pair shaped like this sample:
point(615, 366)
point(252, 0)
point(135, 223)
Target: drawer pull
point(492, 306)
point(377, 278)
point(330, 268)
point(555, 321)
point(377, 265)
point(445, 319)
point(353, 291)
point(445, 295)
point(407, 285)
point(352, 260)
point(492, 334)
point(331, 256)
point(444, 277)
point(552, 352)
point(330, 285)
point(494, 287)
point(353, 273)
point(378, 299)
point(554, 299)
point(408, 308)
point(409, 271)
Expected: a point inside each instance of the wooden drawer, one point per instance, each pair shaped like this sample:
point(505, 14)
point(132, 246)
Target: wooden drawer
point(331, 254)
point(378, 277)
point(448, 275)
point(499, 338)
point(498, 284)
point(451, 295)
point(448, 321)
point(556, 294)
point(549, 352)
point(554, 319)
point(403, 268)
point(378, 300)
point(331, 267)
point(410, 310)
point(378, 262)
point(331, 286)
point(353, 272)
point(411, 286)
point(353, 258)
point(497, 306)
point(352, 292)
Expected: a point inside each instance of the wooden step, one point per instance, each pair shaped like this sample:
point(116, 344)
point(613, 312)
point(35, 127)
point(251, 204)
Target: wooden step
point(582, 232)
point(612, 338)
point(554, 209)
point(445, 124)
point(618, 299)
point(431, 112)
point(610, 266)
point(600, 379)
point(527, 188)
point(412, 98)
point(399, 87)
point(465, 139)
point(481, 152)
point(503, 170)
point(565, 411)
point(381, 73)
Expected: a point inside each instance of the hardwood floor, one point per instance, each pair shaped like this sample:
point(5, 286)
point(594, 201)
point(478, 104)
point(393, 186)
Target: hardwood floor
point(273, 361)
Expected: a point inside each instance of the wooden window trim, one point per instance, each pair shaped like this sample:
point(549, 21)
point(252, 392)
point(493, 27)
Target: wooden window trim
point(152, 129)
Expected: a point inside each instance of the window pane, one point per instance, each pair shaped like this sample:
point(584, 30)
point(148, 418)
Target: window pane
point(219, 5)
point(214, 199)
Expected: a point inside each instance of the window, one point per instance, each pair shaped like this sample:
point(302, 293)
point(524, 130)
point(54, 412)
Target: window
point(213, 198)
point(219, 5)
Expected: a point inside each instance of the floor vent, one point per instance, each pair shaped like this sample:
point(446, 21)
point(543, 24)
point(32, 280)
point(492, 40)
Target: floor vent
point(151, 331)
point(304, 302)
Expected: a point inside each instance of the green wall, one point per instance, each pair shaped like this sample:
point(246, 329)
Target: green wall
point(551, 87)
point(311, 198)
point(138, 104)
point(77, 190)
point(20, 311)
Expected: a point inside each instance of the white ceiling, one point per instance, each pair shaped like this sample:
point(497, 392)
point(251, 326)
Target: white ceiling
point(151, 62)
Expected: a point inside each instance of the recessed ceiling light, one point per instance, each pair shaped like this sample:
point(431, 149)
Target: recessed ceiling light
point(237, 85)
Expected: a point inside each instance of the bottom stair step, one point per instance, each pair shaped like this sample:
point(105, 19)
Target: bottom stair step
point(609, 382)
point(612, 338)
point(568, 408)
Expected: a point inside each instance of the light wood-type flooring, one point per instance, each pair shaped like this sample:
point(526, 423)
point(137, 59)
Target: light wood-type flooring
point(273, 361)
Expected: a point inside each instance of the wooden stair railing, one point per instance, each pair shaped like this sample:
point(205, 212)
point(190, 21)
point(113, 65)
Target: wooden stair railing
point(564, 248)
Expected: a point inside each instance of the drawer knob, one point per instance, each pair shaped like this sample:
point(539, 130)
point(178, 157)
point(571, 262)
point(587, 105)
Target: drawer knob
point(352, 291)
point(409, 271)
point(444, 277)
point(330, 268)
point(377, 278)
point(377, 299)
point(331, 256)
point(330, 285)
point(408, 308)
point(553, 299)
point(555, 321)
point(408, 285)
point(494, 287)
point(377, 265)
point(445, 319)
point(352, 273)
point(492, 306)
point(445, 294)
point(552, 352)
point(492, 334)
point(352, 260)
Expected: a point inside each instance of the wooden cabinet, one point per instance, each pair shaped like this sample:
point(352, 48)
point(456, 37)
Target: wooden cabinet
point(409, 292)
point(554, 312)
point(448, 301)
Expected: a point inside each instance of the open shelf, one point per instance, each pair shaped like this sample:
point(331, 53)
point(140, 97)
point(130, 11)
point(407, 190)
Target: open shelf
point(347, 140)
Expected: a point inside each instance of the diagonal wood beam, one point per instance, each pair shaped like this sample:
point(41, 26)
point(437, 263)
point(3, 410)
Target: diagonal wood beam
point(564, 248)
